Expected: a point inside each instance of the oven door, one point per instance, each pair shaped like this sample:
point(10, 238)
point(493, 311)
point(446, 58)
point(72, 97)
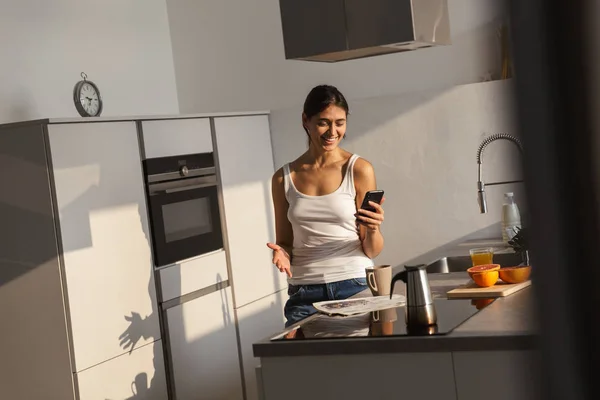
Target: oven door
point(185, 219)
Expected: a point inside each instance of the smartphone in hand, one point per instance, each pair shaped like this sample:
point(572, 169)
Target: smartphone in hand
point(372, 195)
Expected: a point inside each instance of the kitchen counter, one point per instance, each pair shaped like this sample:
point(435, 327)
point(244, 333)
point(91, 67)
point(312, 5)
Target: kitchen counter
point(506, 324)
point(341, 359)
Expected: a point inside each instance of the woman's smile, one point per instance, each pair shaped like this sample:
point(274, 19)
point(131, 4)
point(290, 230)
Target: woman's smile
point(329, 140)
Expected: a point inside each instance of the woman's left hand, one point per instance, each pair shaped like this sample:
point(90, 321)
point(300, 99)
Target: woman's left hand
point(371, 220)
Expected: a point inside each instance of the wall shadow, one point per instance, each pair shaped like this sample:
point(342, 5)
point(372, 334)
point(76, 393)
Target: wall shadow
point(143, 388)
point(203, 347)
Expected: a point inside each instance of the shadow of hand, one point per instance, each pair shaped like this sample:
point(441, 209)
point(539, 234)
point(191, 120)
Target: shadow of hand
point(133, 333)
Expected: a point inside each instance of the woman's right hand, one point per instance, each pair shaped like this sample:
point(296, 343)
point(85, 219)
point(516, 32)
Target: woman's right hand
point(281, 258)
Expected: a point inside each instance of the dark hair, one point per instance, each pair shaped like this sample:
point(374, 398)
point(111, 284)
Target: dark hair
point(321, 97)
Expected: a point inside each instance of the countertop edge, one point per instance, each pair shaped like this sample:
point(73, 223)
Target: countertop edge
point(372, 345)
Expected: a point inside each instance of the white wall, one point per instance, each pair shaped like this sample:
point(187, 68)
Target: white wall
point(423, 146)
point(124, 46)
point(229, 55)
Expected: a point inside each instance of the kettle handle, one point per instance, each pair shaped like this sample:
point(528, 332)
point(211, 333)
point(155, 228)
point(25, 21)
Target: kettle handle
point(400, 276)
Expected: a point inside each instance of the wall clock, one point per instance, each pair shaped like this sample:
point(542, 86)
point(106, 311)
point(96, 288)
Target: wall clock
point(86, 97)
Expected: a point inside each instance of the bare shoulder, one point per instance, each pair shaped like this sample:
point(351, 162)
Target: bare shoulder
point(278, 187)
point(277, 178)
point(363, 169)
point(299, 163)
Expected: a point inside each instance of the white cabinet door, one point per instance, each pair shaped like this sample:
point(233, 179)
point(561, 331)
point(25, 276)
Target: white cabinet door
point(256, 321)
point(246, 167)
point(204, 351)
point(104, 233)
point(174, 137)
point(136, 376)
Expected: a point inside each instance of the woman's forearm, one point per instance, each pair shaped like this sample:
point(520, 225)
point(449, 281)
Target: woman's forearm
point(373, 243)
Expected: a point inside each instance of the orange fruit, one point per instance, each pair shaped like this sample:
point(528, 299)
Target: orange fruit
point(485, 279)
point(484, 268)
point(484, 275)
point(515, 274)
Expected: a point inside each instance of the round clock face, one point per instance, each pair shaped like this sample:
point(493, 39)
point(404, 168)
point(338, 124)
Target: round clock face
point(87, 99)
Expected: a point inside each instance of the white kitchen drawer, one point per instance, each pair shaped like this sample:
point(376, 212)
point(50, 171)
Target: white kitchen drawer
point(173, 137)
point(192, 275)
point(139, 375)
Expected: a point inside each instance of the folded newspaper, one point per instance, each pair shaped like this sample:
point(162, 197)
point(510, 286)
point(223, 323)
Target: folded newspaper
point(359, 306)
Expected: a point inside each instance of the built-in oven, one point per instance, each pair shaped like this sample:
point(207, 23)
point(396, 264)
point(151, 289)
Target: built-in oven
point(183, 206)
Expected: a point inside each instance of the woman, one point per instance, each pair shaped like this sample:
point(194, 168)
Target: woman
point(323, 240)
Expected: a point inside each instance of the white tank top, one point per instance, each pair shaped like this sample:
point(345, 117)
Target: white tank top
point(326, 247)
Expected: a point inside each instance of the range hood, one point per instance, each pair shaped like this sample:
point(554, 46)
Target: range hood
point(338, 30)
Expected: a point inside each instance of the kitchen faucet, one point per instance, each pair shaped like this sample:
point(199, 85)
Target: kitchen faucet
point(480, 184)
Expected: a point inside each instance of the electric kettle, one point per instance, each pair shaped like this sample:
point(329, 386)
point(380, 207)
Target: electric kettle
point(419, 309)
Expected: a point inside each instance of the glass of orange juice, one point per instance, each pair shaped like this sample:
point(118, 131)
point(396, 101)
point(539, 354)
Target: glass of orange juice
point(482, 256)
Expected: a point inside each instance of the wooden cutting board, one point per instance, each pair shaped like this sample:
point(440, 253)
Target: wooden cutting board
point(500, 289)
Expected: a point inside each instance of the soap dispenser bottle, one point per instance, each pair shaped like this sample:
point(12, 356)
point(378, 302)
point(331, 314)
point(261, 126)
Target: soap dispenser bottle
point(511, 218)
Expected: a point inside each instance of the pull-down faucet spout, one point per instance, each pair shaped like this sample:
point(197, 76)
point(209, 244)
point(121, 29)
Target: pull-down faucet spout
point(480, 184)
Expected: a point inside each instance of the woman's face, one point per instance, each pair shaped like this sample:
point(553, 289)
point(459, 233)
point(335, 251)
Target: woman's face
point(327, 128)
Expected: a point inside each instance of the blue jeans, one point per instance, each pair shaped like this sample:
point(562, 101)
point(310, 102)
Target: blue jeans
point(299, 305)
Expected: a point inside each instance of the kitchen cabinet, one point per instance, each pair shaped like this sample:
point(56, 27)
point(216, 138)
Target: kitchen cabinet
point(256, 321)
point(351, 29)
point(461, 375)
point(203, 347)
point(35, 362)
point(246, 168)
point(136, 376)
point(494, 375)
point(346, 25)
point(389, 21)
point(77, 271)
point(173, 137)
point(364, 376)
point(299, 41)
point(105, 239)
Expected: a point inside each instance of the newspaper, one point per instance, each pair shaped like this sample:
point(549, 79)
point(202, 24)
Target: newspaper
point(359, 306)
point(328, 326)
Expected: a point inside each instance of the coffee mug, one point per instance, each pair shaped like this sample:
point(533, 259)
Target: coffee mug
point(379, 279)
